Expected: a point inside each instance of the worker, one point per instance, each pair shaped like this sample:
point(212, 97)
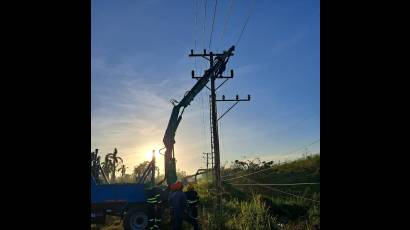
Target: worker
point(192, 200)
point(178, 204)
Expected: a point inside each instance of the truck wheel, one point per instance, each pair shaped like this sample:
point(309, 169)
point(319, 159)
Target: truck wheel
point(136, 219)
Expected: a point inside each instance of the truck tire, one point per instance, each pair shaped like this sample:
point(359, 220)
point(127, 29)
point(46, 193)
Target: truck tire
point(136, 219)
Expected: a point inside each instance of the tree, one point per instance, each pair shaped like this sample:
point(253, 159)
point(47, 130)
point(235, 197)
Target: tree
point(95, 162)
point(106, 166)
point(181, 174)
point(115, 162)
point(250, 165)
point(139, 170)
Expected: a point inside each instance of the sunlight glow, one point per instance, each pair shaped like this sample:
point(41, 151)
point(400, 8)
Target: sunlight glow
point(148, 155)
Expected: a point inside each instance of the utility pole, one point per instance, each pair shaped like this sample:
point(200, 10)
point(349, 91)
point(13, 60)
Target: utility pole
point(215, 151)
point(212, 160)
point(209, 157)
point(153, 168)
point(207, 160)
point(207, 163)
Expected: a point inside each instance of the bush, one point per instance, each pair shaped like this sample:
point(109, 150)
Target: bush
point(250, 215)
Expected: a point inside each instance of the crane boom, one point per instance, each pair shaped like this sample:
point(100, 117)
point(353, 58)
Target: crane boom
point(169, 138)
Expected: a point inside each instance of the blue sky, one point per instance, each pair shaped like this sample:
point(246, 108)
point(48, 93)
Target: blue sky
point(140, 61)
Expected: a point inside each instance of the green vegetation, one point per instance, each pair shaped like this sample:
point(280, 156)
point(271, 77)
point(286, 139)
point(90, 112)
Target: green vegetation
point(296, 211)
point(265, 207)
point(259, 207)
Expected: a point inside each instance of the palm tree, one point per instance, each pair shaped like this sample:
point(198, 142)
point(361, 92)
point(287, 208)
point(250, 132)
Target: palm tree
point(106, 166)
point(122, 169)
point(114, 163)
point(94, 164)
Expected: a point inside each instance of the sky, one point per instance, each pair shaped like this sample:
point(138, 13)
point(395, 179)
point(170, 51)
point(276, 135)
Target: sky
point(139, 61)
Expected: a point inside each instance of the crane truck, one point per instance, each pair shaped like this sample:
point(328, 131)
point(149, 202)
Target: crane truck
point(129, 201)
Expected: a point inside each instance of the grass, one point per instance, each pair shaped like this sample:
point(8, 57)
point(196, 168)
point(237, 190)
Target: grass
point(246, 208)
point(247, 215)
point(261, 206)
point(111, 223)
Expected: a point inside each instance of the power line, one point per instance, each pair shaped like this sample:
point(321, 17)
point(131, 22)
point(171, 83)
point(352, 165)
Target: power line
point(292, 126)
point(292, 184)
point(246, 23)
point(247, 174)
point(201, 96)
point(203, 32)
point(222, 137)
point(234, 174)
point(296, 124)
point(280, 191)
point(204, 63)
point(203, 120)
point(195, 30)
point(226, 21)
point(291, 194)
point(213, 22)
point(312, 143)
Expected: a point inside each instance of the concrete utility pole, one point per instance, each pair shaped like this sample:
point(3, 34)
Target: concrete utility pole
point(153, 167)
point(207, 160)
point(215, 151)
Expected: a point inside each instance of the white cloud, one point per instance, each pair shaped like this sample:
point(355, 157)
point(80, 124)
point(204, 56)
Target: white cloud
point(130, 111)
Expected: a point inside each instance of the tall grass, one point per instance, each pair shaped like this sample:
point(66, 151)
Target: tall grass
point(249, 208)
point(249, 215)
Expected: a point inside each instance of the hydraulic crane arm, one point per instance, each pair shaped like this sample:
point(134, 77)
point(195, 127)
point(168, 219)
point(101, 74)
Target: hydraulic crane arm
point(169, 138)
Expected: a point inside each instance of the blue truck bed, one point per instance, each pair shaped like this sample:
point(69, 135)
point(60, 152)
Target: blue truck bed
point(109, 193)
point(127, 201)
point(114, 199)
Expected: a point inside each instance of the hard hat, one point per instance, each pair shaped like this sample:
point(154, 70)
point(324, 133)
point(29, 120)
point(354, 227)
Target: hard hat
point(178, 185)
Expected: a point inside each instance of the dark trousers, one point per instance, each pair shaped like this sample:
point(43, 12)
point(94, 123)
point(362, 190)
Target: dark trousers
point(177, 222)
point(155, 215)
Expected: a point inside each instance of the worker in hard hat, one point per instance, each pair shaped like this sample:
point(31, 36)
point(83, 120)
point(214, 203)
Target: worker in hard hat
point(178, 204)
